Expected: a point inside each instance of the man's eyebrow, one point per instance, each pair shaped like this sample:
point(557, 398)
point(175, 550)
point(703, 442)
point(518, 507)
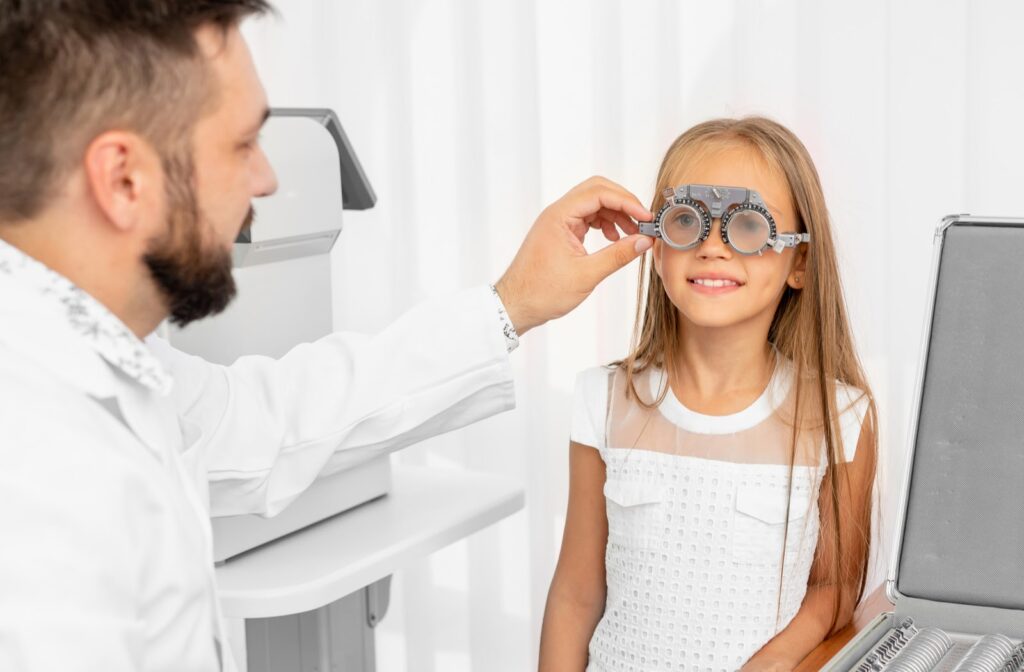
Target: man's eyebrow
point(263, 119)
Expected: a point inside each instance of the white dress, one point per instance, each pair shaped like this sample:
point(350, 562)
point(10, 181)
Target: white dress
point(707, 557)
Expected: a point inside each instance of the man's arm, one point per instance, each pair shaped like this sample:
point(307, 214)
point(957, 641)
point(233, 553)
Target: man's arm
point(269, 427)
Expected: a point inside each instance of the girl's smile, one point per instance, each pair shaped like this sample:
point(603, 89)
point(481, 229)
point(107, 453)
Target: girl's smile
point(713, 283)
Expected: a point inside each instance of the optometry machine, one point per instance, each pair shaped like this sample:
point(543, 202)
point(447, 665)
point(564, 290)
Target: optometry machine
point(305, 589)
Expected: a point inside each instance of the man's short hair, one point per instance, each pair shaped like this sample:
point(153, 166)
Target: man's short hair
point(73, 69)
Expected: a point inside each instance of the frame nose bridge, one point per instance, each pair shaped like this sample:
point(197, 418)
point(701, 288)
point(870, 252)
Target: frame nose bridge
point(717, 200)
point(719, 239)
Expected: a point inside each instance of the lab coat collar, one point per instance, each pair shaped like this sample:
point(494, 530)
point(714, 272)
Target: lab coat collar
point(56, 322)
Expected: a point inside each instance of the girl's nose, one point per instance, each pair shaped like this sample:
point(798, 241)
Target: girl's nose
point(714, 247)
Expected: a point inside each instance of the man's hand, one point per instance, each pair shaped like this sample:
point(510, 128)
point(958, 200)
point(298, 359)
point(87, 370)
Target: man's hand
point(552, 272)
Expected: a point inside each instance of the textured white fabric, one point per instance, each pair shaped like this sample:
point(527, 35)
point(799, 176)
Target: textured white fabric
point(693, 560)
point(708, 551)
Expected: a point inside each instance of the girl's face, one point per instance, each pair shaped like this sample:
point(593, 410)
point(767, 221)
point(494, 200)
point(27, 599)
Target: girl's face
point(712, 285)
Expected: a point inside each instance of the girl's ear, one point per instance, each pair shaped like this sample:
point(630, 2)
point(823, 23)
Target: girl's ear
point(799, 270)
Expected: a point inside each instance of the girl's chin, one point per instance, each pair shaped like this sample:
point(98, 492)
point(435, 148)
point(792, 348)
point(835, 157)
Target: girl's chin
point(714, 318)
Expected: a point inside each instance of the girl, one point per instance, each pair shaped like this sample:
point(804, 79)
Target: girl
point(721, 474)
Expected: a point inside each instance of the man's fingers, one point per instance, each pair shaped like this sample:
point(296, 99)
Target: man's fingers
point(624, 202)
point(610, 232)
point(594, 196)
point(624, 222)
point(606, 261)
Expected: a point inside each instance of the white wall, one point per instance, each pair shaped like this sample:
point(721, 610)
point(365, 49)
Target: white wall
point(470, 116)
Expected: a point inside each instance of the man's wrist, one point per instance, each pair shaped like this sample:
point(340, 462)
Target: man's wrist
point(517, 313)
point(508, 328)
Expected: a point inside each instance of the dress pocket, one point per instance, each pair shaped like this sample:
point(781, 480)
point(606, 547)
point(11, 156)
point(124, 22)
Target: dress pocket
point(760, 523)
point(636, 511)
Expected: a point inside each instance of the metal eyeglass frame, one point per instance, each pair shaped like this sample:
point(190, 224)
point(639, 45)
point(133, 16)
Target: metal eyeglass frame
point(714, 202)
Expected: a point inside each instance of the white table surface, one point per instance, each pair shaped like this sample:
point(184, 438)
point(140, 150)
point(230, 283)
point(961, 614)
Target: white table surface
point(426, 510)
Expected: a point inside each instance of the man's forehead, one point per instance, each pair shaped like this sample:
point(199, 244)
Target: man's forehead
point(234, 78)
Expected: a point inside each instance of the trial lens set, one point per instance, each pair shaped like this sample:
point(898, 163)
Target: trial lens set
point(910, 649)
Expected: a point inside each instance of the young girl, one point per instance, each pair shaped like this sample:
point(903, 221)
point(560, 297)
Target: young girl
point(721, 474)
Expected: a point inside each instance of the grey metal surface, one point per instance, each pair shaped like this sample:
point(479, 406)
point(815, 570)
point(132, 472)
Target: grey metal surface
point(333, 638)
point(963, 536)
point(356, 191)
point(378, 599)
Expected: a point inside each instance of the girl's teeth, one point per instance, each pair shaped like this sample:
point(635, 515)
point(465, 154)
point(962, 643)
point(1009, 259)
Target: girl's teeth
point(714, 283)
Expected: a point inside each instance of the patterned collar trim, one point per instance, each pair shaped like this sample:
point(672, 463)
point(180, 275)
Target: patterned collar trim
point(103, 331)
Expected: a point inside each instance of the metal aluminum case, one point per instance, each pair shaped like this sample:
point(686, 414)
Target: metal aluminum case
point(958, 556)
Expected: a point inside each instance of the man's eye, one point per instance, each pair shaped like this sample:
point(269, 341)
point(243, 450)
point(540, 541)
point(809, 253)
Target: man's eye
point(249, 145)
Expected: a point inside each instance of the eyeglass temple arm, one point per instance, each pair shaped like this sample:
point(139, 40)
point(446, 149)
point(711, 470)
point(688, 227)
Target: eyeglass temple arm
point(794, 239)
point(649, 229)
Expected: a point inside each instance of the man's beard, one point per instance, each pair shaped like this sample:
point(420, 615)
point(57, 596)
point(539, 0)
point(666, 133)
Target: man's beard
point(195, 281)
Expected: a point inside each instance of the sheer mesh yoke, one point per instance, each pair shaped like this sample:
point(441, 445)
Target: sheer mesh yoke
point(711, 529)
point(761, 434)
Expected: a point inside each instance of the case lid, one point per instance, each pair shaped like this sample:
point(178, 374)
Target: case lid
point(962, 535)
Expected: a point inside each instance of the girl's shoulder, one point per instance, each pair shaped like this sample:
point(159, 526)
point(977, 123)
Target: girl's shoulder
point(595, 380)
point(590, 406)
point(851, 404)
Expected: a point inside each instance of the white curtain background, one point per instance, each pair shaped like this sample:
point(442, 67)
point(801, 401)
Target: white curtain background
point(469, 117)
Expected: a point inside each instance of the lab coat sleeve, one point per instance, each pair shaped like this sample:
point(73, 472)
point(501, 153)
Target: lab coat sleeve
point(268, 427)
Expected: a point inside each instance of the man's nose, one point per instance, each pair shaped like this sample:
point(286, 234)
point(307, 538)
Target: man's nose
point(265, 178)
point(713, 247)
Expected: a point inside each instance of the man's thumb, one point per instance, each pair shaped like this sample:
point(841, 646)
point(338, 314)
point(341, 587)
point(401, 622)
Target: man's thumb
point(611, 258)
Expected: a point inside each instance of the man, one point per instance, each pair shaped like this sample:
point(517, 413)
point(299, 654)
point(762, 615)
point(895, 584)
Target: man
point(128, 161)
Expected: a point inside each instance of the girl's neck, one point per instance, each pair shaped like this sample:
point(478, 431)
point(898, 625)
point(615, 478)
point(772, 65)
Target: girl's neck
point(719, 371)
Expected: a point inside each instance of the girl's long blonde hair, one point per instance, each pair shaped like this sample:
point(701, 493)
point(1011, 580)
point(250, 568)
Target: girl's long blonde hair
point(810, 328)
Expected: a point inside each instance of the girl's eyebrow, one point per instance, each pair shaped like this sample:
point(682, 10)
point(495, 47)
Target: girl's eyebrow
point(770, 206)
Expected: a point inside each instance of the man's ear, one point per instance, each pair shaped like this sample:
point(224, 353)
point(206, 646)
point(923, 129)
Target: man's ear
point(798, 274)
point(124, 178)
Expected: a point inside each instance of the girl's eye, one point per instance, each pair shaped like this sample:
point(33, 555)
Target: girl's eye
point(686, 220)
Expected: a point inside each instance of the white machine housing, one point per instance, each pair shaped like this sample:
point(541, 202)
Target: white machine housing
point(283, 272)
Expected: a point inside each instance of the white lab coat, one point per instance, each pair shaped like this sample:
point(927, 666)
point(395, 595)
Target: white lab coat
point(109, 471)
